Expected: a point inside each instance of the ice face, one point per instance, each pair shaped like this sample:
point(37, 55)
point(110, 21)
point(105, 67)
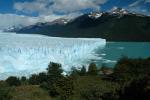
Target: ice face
point(22, 54)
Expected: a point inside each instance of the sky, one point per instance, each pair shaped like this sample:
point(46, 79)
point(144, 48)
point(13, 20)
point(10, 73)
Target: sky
point(28, 12)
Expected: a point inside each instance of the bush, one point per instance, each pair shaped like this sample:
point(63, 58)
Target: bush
point(13, 81)
point(74, 73)
point(137, 89)
point(37, 79)
point(49, 79)
point(98, 92)
point(65, 88)
point(24, 80)
point(94, 88)
point(83, 71)
point(5, 91)
point(52, 91)
point(42, 77)
point(127, 69)
point(54, 72)
point(44, 85)
point(92, 70)
point(34, 80)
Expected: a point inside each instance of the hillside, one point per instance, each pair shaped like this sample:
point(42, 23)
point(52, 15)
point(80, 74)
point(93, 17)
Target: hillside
point(118, 25)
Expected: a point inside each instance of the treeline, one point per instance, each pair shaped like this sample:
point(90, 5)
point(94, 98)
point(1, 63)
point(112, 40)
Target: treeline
point(128, 80)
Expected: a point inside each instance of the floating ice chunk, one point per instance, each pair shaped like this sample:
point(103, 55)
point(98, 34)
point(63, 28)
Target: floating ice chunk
point(121, 48)
point(109, 61)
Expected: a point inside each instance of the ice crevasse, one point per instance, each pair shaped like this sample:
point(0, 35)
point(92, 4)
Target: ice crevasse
point(27, 54)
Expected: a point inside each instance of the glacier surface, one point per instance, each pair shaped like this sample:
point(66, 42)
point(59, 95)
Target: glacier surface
point(22, 54)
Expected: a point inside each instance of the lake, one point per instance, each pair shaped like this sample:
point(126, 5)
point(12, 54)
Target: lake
point(115, 50)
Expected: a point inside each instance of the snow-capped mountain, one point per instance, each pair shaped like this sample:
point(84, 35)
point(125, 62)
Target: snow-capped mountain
point(95, 15)
point(115, 25)
point(13, 28)
point(120, 11)
point(61, 21)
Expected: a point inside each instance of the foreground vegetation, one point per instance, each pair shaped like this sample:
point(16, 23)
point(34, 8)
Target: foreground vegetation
point(128, 80)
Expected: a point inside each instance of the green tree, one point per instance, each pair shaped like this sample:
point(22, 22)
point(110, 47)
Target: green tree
point(137, 89)
point(13, 81)
point(75, 73)
point(34, 79)
point(65, 88)
point(99, 92)
point(54, 72)
point(92, 70)
point(83, 71)
point(5, 91)
point(42, 77)
point(127, 68)
point(44, 85)
point(24, 80)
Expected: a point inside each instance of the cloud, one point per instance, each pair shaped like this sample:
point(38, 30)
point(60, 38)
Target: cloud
point(140, 7)
point(147, 1)
point(47, 10)
point(57, 6)
point(139, 3)
point(68, 6)
point(9, 20)
point(40, 6)
point(136, 3)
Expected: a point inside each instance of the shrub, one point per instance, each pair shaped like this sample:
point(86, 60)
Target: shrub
point(92, 70)
point(98, 92)
point(5, 91)
point(34, 80)
point(13, 81)
point(137, 89)
point(65, 88)
point(54, 72)
point(75, 73)
point(83, 71)
point(127, 69)
point(23, 79)
point(49, 79)
point(42, 77)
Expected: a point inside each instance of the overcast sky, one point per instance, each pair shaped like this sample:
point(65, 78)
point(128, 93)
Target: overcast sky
point(27, 12)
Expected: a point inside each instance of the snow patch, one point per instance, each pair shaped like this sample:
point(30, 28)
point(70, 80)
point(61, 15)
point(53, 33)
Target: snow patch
point(95, 15)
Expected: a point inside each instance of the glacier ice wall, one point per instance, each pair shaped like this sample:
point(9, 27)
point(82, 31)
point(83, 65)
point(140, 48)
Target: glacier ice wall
point(22, 54)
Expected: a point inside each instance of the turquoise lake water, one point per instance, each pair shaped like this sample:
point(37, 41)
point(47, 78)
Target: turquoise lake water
point(115, 50)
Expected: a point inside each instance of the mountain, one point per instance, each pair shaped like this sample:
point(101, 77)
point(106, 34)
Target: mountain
point(116, 25)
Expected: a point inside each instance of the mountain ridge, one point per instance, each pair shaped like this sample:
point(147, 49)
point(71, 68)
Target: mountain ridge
point(117, 25)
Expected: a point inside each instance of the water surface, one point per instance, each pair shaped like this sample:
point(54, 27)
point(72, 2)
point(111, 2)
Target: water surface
point(115, 50)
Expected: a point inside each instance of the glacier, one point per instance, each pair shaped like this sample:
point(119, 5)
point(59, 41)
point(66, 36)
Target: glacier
point(25, 54)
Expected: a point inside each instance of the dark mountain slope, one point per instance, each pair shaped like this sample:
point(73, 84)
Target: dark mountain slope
point(113, 27)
